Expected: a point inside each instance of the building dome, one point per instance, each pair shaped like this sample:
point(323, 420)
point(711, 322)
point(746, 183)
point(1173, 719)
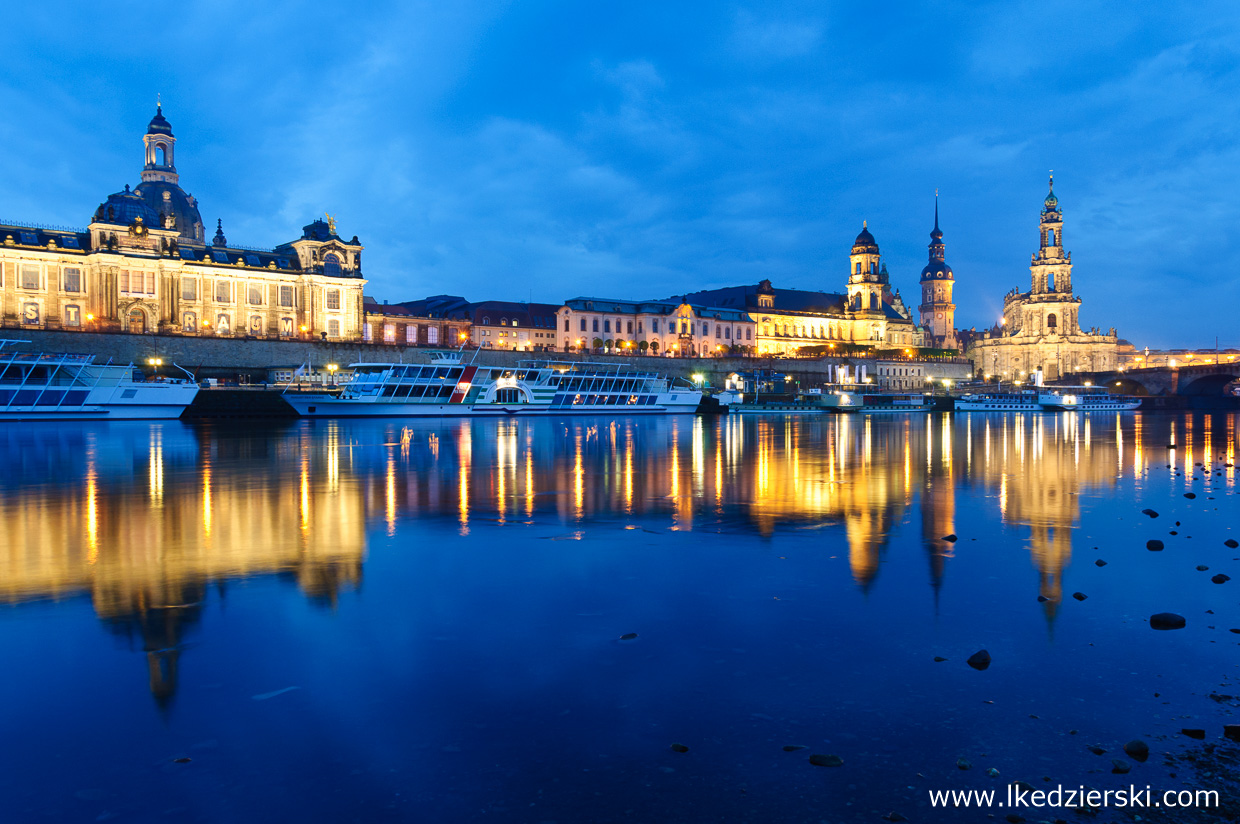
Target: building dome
point(173, 208)
point(123, 207)
point(937, 270)
point(1051, 204)
point(865, 244)
point(158, 124)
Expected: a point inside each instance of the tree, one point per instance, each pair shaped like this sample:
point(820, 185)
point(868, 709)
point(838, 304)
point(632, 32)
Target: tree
point(598, 344)
point(643, 346)
point(654, 347)
point(607, 344)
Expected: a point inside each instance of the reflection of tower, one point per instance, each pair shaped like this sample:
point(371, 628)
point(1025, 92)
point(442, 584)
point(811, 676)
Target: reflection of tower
point(160, 627)
point(938, 505)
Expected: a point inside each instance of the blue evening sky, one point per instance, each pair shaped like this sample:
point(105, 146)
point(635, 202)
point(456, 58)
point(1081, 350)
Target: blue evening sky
point(639, 149)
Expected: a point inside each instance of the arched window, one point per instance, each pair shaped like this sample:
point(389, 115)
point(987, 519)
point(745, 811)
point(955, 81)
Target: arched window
point(486, 321)
point(1050, 282)
point(858, 268)
point(161, 155)
point(503, 321)
point(1050, 322)
point(331, 266)
point(1050, 237)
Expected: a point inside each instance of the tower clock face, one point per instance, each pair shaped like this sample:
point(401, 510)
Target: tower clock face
point(939, 315)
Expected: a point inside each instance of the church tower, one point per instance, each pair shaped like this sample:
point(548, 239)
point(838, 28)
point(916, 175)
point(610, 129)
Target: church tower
point(1051, 308)
point(866, 280)
point(938, 311)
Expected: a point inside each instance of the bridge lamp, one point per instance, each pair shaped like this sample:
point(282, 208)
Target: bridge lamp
point(1173, 363)
point(1089, 383)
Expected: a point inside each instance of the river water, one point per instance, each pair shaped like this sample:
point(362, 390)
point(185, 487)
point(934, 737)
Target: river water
point(370, 621)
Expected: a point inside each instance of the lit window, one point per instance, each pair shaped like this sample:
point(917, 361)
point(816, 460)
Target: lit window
point(30, 277)
point(333, 298)
point(286, 296)
point(223, 291)
point(333, 328)
point(255, 294)
point(189, 289)
point(331, 266)
point(73, 280)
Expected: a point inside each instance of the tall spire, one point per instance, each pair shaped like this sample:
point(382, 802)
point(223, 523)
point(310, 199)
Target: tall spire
point(937, 250)
point(1051, 204)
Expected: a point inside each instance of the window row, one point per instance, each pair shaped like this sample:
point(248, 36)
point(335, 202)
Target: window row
point(256, 325)
point(409, 336)
point(31, 277)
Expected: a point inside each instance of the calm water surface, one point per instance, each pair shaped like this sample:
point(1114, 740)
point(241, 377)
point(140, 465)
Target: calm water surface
point(359, 621)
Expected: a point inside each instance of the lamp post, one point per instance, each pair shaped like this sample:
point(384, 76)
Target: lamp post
point(155, 363)
point(331, 370)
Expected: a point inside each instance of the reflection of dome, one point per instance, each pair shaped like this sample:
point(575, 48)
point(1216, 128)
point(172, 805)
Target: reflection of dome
point(122, 207)
point(170, 199)
point(865, 244)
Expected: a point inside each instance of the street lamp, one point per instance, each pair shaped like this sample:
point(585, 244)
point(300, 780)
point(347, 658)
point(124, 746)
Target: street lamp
point(155, 363)
point(331, 370)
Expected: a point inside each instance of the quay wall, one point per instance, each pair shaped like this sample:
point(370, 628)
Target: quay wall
point(234, 357)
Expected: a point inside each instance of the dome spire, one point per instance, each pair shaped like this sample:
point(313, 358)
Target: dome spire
point(1051, 203)
point(219, 240)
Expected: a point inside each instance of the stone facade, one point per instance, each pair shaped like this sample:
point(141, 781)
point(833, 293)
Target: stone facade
point(143, 265)
point(665, 327)
point(1040, 330)
point(397, 325)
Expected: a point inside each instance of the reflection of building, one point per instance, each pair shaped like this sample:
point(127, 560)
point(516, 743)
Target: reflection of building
point(145, 264)
point(1040, 329)
point(869, 313)
point(147, 542)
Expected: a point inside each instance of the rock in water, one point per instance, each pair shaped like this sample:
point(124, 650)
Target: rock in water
point(826, 761)
point(679, 748)
point(1042, 599)
point(951, 539)
point(1167, 620)
point(1220, 578)
point(1137, 749)
point(1198, 734)
point(1190, 495)
point(979, 660)
point(963, 764)
point(1119, 766)
point(1100, 563)
point(1080, 596)
point(938, 659)
point(1202, 567)
point(1232, 731)
point(793, 747)
point(628, 636)
point(1230, 543)
point(992, 772)
point(894, 816)
point(1149, 512)
point(1096, 750)
point(1154, 545)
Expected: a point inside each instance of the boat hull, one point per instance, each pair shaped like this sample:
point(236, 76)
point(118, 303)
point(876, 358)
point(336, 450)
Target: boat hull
point(326, 406)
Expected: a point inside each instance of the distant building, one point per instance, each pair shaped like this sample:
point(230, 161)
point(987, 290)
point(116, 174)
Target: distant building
point(401, 325)
point(1040, 329)
point(492, 324)
point(144, 264)
point(869, 314)
point(654, 327)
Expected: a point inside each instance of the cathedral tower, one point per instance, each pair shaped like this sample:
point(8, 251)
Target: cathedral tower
point(1050, 308)
point(866, 280)
point(938, 312)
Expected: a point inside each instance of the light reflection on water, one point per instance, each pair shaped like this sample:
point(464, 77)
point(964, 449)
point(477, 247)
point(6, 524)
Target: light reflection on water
point(146, 519)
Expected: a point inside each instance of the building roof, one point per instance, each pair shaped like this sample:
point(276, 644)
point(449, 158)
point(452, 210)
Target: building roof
point(785, 300)
point(158, 124)
point(655, 307)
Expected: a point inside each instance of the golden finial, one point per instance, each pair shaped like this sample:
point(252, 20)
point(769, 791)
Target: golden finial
point(158, 103)
point(863, 224)
point(331, 223)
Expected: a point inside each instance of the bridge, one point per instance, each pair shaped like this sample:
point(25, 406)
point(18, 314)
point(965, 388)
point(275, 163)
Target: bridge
point(1198, 379)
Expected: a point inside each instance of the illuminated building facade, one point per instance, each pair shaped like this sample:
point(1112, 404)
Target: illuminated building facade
point(144, 264)
point(658, 327)
point(1040, 330)
point(867, 314)
point(938, 310)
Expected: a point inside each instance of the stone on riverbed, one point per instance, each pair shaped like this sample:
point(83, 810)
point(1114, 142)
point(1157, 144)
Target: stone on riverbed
point(1167, 620)
point(979, 660)
point(679, 748)
point(1080, 596)
point(963, 764)
point(1232, 731)
point(1100, 563)
point(826, 760)
point(1149, 512)
point(1221, 578)
point(1137, 749)
point(1154, 545)
point(1190, 495)
point(628, 636)
point(1198, 734)
point(1119, 766)
point(793, 747)
point(1230, 543)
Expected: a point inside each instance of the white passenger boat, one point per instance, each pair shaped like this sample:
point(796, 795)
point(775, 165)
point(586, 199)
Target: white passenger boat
point(73, 387)
point(895, 402)
point(1024, 400)
point(446, 387)
point(1085, 399)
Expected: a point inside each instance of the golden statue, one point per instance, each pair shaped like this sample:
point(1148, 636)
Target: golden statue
point(331, 223)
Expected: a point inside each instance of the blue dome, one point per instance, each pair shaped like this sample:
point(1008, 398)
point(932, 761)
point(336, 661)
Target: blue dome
point(159, 124)
point(173, 208)
point(123, 207)
point(937, 270)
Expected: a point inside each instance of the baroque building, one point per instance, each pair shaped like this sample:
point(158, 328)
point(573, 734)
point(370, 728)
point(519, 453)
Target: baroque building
point(1040, 330)
point(673, 327)
point(867, 314)
point(938, 311)
point(144, 264)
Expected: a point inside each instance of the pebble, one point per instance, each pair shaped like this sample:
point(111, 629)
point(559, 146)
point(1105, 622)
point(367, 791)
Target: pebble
point(1221, 578)
point(979, 660)
point(1230, 543)
point(1154, 545)
point(1198, 734)
point(1137, 749)
point(963, 764)
point(1042, 599)
point(1232, 731)
point(1119, 766)
point(938, 659)
point(1100, 563)
point(1080, 596)
point(1167, 620)
point(679, 748)
point(1149, 512)
point(826, 760)
point(992, 772)
point(1190, 495)
point(793, 747)
point(1096, 750)
point(1202, 567)
point(181, 760)
point(628, 636)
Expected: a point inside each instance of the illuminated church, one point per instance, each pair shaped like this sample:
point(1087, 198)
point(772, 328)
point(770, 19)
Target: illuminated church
point(145, 264)
point(1040, 329)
